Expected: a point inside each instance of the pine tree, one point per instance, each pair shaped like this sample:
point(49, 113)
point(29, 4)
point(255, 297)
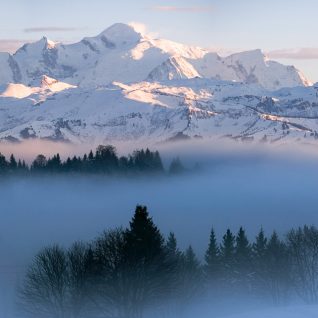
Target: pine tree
point(243, 268)
point(227, 255)
point(259, 252)
point(13, 163)
point(176, 166)
point(190, 276)
point(278, 267)
point(91, 156)
point(227, 248)
point(242, 248)
point(146, 260)
point(171, 244)
point(260, 245)
point(158, 162)
point(191, 261)
point(212, 258)
point(144, 239)
point(24, 166)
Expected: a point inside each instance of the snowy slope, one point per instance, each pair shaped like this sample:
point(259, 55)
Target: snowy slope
point(153, 112)
point(122, 85)
point(47, 86)
point(122, 54)
point(250, 67)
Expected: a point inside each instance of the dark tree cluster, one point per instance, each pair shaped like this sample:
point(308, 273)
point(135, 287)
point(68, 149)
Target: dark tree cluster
point(128, 272)
point(104, 161)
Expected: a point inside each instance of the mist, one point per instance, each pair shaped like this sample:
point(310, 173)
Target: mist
point(253, 189)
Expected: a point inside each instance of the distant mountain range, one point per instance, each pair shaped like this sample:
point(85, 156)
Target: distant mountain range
point(124, 86)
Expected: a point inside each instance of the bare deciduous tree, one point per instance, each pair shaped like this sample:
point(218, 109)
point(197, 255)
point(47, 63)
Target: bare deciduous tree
point(44, 292)
point(303, 245)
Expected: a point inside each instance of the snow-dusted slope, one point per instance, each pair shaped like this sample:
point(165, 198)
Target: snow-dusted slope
point(47, 86)
point(153, 112)
point(122, 85)
point(122, 54)
point(173, 68)
point(250, 67)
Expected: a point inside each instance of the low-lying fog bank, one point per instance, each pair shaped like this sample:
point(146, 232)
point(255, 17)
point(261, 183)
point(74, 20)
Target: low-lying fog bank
point(255, 189)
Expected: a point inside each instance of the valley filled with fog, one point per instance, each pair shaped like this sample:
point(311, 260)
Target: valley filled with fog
point(229, 190)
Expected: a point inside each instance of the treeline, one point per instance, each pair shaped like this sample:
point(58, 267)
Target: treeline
point(104, 161)
point(127, 273)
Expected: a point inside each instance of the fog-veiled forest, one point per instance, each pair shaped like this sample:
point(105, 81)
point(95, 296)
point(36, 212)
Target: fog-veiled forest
point(226, 192)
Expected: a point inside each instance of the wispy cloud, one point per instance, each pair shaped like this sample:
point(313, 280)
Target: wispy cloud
point(11, 45)
point(143, 29)
point(299, 54)
point(182, 9)
point(51, 29)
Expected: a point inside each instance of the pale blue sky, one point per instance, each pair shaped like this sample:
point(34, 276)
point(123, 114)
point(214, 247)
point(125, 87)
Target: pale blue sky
point(230, 24)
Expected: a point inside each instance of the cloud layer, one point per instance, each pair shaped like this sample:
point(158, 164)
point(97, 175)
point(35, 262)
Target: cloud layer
point(11, 45)
point(299, 54)
point(50, 29)
point(182, 9)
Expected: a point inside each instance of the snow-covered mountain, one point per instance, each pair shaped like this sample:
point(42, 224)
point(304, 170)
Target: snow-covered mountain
point(122, 54)
point(122, 85)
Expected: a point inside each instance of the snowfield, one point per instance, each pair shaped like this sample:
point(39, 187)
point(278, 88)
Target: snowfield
point(125, 86)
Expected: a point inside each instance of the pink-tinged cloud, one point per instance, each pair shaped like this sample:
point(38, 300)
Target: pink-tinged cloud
point(299, 54)
point(10, 46)
point(182, 9)
point(51, 29)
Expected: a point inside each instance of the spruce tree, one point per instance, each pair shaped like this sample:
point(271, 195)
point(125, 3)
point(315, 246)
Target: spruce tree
point(3, 164)
point(158, 162)
point(212, 258)
point(144, 239)
point(278, 267)
point(243, 267)
point(242, 248)
point(259, 252)
point(171, 244)
point(190, 277)
point(227, 249)
point(227, 256)
point(146, 260)
point(13, 163)
point(260, 245)
point(176, 166)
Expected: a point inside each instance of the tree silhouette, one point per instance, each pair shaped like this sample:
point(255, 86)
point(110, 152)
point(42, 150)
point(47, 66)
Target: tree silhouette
point(45, 292)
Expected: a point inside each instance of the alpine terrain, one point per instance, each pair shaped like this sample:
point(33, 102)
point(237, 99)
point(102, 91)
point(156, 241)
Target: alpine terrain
point(123, 85)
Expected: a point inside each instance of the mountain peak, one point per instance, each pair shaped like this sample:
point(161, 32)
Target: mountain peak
point(43, 44)
point(254, 54)
point(120, 33)
point(48, 43)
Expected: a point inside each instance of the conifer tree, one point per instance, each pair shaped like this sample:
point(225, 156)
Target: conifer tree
point(212, 258)
point(259, 252)
point(171, 244)
point(176, 166)
point(13, 163)
point(227, 249)
point(260, 245)
point(190, 277)
point(278, 267)
point(3, 164)
point(227, 254)
point(243, 266)
point(146, 260)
